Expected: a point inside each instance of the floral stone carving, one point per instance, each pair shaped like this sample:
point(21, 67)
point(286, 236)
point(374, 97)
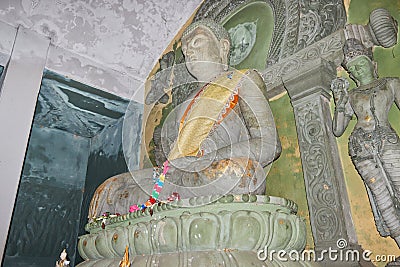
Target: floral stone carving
point(229, 226)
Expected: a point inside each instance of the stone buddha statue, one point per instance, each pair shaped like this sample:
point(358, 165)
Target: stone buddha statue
point(221, 138)
point(374, 146)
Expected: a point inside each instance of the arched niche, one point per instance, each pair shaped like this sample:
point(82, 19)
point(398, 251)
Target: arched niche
point(250, 28)
point(294, 24)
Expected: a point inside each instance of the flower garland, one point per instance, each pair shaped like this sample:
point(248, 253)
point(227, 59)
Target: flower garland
point(158, 185)
point(104, 218)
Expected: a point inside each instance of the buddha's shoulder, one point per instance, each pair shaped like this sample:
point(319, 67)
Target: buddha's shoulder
point(253, 76)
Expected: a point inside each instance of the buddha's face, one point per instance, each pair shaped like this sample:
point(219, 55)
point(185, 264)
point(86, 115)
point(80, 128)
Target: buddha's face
point(362, 69)
point(202, 50)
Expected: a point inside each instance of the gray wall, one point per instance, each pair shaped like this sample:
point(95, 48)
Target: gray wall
point(62, 169)
point(47, 209)
point(106, 159)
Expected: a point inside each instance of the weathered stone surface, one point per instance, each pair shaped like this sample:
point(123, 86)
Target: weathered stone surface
point(127, 35)
point(229, 223)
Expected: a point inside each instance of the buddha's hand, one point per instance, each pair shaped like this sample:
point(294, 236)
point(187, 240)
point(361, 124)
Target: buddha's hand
point(339, 88)
point(182, 163)
point(187, 171)
point(189, 164)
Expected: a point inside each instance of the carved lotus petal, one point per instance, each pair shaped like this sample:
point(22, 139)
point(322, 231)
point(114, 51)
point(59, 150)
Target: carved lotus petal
point(166, 235)
point(245, 223)
point(119, 240)
point(251, 227)
point(88, 249)
point(203, 231)
point(141, 239)
point(103, 245)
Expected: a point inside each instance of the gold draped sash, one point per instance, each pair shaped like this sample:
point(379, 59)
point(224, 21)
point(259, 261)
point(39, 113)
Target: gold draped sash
point(208, 108)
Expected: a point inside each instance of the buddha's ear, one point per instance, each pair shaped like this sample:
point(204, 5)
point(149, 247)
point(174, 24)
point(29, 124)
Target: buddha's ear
point(224, 50)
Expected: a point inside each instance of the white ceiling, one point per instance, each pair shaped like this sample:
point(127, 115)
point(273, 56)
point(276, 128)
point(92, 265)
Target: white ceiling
point(124, 37)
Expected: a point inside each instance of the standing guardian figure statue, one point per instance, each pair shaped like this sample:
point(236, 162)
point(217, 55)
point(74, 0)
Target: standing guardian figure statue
point(374, 145)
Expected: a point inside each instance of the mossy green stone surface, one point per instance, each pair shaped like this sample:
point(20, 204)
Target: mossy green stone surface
point(244, 224)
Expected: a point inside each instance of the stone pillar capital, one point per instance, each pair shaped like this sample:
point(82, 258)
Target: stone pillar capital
point(313, 65)
point(313, 78)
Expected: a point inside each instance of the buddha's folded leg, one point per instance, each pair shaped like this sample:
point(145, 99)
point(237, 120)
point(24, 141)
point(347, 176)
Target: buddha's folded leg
point(236, 176)
point(117, 193)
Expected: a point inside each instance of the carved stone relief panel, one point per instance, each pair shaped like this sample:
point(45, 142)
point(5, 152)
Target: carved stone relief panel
point(318, 171)
point(221, 10)
point(297, 23)
point(318, 19)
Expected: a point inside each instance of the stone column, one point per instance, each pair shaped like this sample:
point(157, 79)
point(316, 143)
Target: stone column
point(309, 91)
point(306, 76)
point(18, 95)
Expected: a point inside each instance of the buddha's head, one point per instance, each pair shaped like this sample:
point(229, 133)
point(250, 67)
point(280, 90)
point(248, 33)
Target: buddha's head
point(358, 62)
point(205, 45)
